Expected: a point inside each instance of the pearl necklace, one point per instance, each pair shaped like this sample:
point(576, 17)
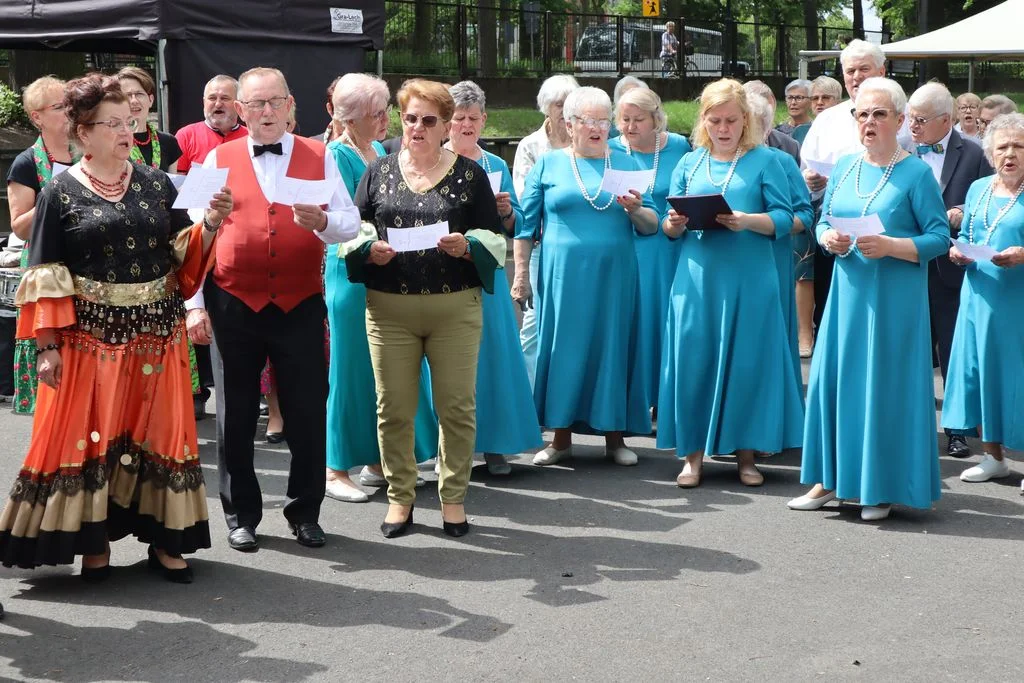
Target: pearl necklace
point(856, 188)
point(583, 188)
point(728, 176)
point(999, 216)
point(657, 154)
point(484, 161)
point(349, 142)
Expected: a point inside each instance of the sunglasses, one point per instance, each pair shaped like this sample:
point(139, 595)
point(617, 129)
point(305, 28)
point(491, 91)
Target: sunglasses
point(875, 115)
point(429, 121)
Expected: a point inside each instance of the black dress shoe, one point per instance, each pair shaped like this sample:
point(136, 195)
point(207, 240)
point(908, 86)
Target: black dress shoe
point(243, 538)
point(456, 529)
point(275, 437)
point(95, 574)
point(183, 575)
point(308, 534)
point(396, 529)
point(958, 447)
point(199, 406)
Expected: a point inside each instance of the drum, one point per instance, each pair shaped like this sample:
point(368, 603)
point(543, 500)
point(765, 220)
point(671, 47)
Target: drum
point(9, 280)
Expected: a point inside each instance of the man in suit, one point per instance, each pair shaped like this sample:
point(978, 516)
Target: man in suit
point(264, 300)
point(956, 162)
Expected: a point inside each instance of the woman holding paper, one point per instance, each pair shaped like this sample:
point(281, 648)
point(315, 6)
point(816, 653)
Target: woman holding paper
point(870, 428)
point(30, 172)
point(359, 107)
point(643, 123)
point(728, 384)
point(113, 450)
point(426, 301)
point(589, 362)
point(985, 369)
point(506, 418)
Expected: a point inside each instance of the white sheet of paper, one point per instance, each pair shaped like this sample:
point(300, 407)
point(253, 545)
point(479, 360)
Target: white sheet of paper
point(199, 186)
point(495, 179)
point(291, 191)
point(619, 183)
point(820, 167)
point(975, 252)
point(177, 180)
point(416, 239)
point(857, 227)
point(59, 168)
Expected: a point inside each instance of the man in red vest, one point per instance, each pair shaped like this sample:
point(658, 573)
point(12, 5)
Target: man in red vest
point(264, 300)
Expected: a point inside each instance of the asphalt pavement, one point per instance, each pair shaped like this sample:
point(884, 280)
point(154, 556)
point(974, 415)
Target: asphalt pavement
point(584, 571)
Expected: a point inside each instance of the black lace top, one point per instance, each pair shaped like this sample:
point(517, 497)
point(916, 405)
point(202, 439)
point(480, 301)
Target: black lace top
point(128, 241)
point(463, 197)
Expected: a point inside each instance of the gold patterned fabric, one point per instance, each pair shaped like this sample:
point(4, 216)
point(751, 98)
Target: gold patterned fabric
point(125, 294)
point(46, 281)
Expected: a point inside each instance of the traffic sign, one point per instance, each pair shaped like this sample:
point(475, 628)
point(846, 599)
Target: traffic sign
point(652, 8)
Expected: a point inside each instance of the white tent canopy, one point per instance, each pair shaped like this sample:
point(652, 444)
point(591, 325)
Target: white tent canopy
point(994, 34)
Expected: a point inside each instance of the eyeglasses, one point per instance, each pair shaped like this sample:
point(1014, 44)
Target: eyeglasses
point(822, 98)
point(968, 107)
point(116, 124)
point(259, 105)
point(601, 124)
point(57, 106)
point(875, 115)
point(381, 115)
point(920, 120)
point(136, 95)
point(983, 122)
point(428, 121)
point(796, 98)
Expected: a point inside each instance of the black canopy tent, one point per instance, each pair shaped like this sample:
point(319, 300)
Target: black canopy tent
point(311, 41)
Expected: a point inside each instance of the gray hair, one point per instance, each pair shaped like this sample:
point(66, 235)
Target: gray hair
point(1013, 122)
point(583, 98)
point(468, 93)
point(221, 78)
point(827, 85)
point(759, 88)
point(1001, 103)
point(763, 112)
point(553, 89)
point(889, 88)
point(648, 101)
point(357, 95)
point(933, 98)
point(801, 83)
point(625, 84)
point(862, 49)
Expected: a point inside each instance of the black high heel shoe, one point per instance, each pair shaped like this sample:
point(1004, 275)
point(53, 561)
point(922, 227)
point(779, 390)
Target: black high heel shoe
point(183, 575)
point(396, 529)
point(455, 529)
point(95, 574)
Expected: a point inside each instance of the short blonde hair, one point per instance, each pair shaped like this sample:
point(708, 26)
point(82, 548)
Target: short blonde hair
point(645, 100)
point(35, 92)
point(429, 91)
point(262, 71)
point(357, 95)
point(826, 85)
point(725, 91)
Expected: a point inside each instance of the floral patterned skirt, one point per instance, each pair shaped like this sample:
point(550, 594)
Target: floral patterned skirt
point(113, 449)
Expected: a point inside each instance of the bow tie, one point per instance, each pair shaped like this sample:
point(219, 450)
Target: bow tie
point(275, 148)
point(924, 149)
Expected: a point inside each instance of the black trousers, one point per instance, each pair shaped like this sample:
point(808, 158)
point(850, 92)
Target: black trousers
point(7, 328)
point(294, 342)
point(943, 307)
point(204, 365)
point(823, 265)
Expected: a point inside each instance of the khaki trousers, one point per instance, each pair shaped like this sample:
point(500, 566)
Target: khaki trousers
point(401, 328)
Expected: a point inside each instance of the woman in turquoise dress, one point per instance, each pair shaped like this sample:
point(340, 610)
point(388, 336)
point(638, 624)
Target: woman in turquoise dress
point(728, 385)
point(641, 118)
point(589, 364)
point(870, 428)
point(360, 105)
point(506, 419)
point(985, 382)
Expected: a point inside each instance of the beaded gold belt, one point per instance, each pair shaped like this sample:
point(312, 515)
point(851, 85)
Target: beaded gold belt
point(125, 294)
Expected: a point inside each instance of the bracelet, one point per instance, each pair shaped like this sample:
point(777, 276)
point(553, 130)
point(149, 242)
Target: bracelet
point(48, 347)
point(506, 216)
point(210, 227)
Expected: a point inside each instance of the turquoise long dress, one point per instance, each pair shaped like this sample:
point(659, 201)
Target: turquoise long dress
point(656, 257)
point(728, 382)
point(870, 428)
point(506, 419)
point(352, 397)
point(985, 382)
point(589, 363)
point(800, 201)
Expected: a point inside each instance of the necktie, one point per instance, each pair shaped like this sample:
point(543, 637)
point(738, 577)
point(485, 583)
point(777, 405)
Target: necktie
point(924, 149)
point(274, 148)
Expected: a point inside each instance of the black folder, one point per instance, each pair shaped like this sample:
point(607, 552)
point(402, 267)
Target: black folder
point(701, 210)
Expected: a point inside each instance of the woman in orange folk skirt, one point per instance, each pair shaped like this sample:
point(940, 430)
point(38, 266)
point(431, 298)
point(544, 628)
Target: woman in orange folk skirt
point(113, 448)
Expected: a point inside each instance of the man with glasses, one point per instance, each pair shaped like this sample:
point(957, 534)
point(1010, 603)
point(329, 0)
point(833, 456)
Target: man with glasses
point(264, 299)
point(993, 106)
point(956, 162)
point(967, 106)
